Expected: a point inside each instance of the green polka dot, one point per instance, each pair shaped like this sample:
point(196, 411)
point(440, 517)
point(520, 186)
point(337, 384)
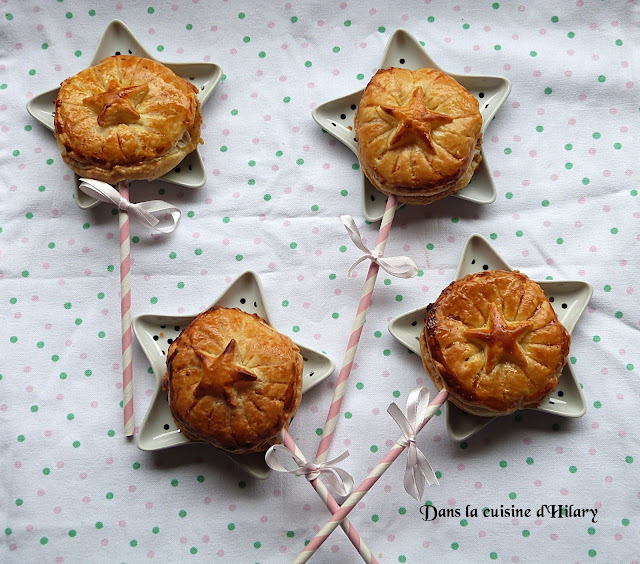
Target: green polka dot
point(398, 298)
point(336, 49)
point(55, 358)
point(293, 245)
point(78, 53)
point(111, 433)
point(150, 10)
point(464, 445)
point(155, 530)
point(314, 208)
point(193, 550)
point(44, 540)
point(568, 166)
point(34, 409)
point(633, 192)
point(430, 19)
point(223, 149)
point(402, 558)
point(629, 459)
point(497, 47)
point(92, 13)
point(241, 16)
point(503, 464)
point(560, 240)
point(99, 525)
point(343, 249)
point(133, 543)
point(267, 197)
point(335, 315)
point(40, 344)
point(529, 461)
point(347, 23)
point(455, 220)
point(618, 314)
point(508, 195)
point(46, 471)
point(295, 329)
point(13, 339)
point(555, 427)
point(568, 147)
point(373, 448)
point(319, 431)
point(396, 394)
point(257, 544)
point(25, 274)
point(525, 533)
point(359, 386)
point(160, 48)
point(197, 252)
point(375, 517)
point(592, 553)
point(493, 236)
point(70, 416)
point(154, 300)
point(533, 53)
point(512, 495)
point(189, 27)
point(246, 39)
point(63, 375)
point(386, 352)
point(585, 181)
point(602, 78)
point(182, 513)
point(597, 404)
point(630, 366)
point(545, 203)
point(332, 276)
point(344, 193)
point(402, 510)
point(109, 495)
point(617, 146)
point(16, 153)
point(493, 555)
point(463, 522)
point(625, 522)
point(607, 288)
point(596, 338)
point(571, 35)
point(173, 255)
point(110, 268)
point(548, 90)
point(13, 300)
point(76, 444)
point(262, 54)
point(454, 546)
point(465, 26)
point(507, 151)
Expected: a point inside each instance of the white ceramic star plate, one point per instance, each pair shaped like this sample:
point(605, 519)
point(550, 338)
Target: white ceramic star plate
point(156, 332)
point(403, 50)
point(569, 299)
point(118, 39)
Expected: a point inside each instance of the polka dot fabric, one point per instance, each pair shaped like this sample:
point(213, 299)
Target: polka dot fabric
point(563, 155)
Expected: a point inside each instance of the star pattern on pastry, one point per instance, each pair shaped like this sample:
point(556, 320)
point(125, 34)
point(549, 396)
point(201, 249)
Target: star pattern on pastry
point(117, 105)
point(500, 339)
point(415, 120)
point(221, 373)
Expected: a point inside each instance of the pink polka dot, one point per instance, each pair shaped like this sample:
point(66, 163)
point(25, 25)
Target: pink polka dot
point(553, 536)
point(264, 519)
point(537, 483)
point(482, 534)
point(335, 548)
point(86, 499)
point(564, 491)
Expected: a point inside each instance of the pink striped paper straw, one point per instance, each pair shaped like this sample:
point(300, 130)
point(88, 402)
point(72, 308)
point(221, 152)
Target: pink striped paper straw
point(354, 339)
point(125, 313)
point(366, 485)
point(332, 504)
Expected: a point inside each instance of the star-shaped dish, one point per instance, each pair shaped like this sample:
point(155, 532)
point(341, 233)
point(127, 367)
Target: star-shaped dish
point(155, 333)
point(403, 50)
point(118, 39)
point(569, 300)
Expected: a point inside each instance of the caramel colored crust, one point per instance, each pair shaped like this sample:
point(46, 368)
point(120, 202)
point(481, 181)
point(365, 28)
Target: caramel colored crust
point(127, 118)
point(493, 341)
point(418, 134)
point(233, 380)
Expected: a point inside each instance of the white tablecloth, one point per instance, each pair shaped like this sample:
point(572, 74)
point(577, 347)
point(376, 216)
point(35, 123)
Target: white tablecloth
point(563, 152)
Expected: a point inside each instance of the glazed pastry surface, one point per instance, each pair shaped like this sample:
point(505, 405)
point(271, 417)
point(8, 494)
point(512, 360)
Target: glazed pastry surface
point(233, 380)
point(494, 342)
point(418, 134)
point(127, 118)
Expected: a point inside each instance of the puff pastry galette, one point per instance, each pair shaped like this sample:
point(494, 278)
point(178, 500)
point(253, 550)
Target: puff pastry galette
point(493, 341)
point(127, 118)
point(233, 380)
point(419, 134)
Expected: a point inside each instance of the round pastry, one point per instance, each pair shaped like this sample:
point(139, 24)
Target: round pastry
point(418, 134)
point(127, 118)
point(493, 341)
point(233, 380)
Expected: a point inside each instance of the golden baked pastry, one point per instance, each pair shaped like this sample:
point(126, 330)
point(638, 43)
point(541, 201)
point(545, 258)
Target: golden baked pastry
point(493, 341)
point(127, 118)
point(233, 380)
point(418, 134)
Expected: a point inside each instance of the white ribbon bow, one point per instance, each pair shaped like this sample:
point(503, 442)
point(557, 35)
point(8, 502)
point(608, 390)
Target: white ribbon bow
point(145, 212)
point(402, 267)
point(337, 479)
point(418, 468)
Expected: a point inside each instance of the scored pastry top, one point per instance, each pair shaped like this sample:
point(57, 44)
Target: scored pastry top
point(233, 380)
point(127, 114)
point(494, 342)
point(417, 131)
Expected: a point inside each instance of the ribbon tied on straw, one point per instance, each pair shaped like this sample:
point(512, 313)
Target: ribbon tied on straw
point(145, 212)
point(418, 468)
point(337, 479)
point(402, 267)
